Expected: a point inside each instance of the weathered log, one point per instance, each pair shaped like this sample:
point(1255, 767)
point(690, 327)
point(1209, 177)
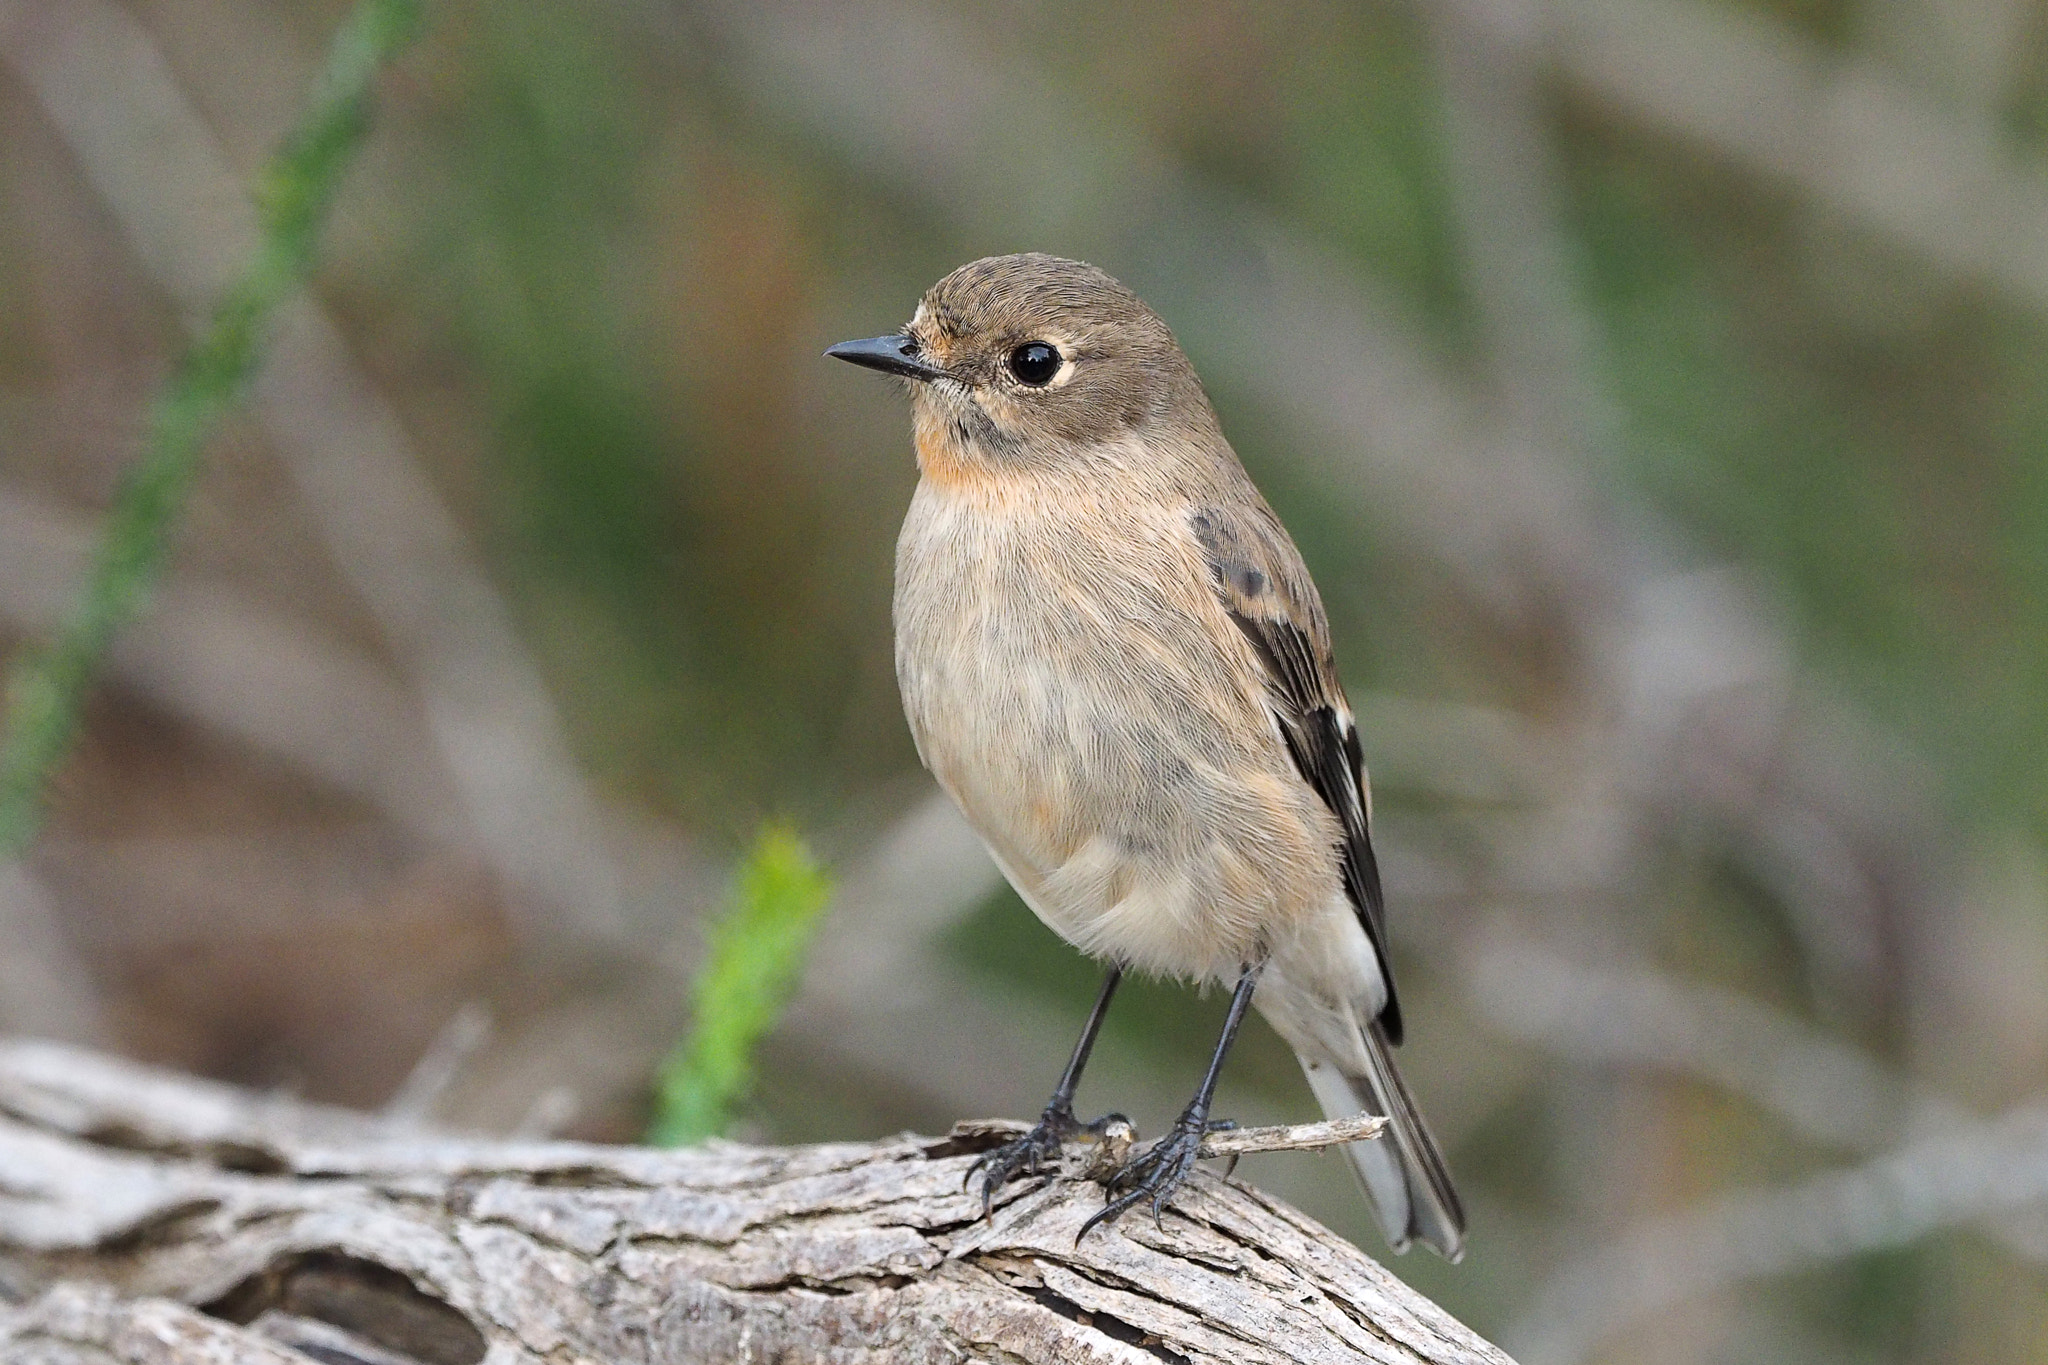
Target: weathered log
point(150, 1218)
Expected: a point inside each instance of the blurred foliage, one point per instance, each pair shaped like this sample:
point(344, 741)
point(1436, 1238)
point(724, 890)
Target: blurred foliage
point(1814, 403)
point(46, 693)
point(625, 286)
point(753, 955)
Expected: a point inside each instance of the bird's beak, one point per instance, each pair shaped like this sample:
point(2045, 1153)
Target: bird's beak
point(890, 355)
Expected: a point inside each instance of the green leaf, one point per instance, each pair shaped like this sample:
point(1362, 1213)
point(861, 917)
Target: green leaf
point(755, 953)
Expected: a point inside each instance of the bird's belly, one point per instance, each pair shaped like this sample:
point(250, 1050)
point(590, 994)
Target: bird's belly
point(1113, 805)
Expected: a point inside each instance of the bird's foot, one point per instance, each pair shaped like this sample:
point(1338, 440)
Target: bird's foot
point(1037, 1152)
point(1158, 1171)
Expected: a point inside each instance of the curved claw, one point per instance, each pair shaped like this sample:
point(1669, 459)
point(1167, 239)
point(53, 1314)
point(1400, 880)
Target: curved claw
point(1026, 1155)
point(981, 1161)
point(1156, 1174)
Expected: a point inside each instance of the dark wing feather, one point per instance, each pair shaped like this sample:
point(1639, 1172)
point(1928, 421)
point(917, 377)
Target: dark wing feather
point(1269, 598)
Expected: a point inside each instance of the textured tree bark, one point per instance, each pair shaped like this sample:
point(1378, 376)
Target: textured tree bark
point(159, 1220)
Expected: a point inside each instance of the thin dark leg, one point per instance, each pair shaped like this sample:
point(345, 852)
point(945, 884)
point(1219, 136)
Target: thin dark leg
point(1240, 1001)
point(1070, 1079)
point(1159, 1171)
point(1040, 1148)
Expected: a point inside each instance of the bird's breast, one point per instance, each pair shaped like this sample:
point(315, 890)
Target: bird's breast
point(1065, 681)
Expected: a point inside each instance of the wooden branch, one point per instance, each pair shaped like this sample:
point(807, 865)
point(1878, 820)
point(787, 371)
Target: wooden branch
point(159, 1220)
point(1294, 1137)
point(1098, 1156)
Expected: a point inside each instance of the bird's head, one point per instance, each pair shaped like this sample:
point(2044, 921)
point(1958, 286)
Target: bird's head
point(1033, 361)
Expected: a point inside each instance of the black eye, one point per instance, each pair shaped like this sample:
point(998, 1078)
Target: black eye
point(1034, 363)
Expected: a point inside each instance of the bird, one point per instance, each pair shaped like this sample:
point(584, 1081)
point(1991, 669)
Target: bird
point(1113, 660)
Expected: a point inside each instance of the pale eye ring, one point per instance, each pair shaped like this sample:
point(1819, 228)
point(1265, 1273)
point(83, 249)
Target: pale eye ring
point(1035, 363)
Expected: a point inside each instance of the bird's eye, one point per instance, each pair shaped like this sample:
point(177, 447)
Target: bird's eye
point(1035, 363)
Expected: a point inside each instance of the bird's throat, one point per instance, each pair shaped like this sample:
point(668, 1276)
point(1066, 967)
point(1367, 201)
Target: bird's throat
point(949, 452)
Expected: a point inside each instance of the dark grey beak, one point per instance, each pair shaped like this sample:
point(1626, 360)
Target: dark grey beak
point(890, 355)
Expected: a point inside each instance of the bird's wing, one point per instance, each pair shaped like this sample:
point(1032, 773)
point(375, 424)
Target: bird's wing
point(1267, 593)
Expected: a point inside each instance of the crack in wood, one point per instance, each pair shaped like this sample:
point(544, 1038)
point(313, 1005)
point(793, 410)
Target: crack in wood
point(359, 1296)
point(1109, 1325)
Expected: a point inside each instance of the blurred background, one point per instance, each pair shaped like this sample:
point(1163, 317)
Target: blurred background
point(1657, 388)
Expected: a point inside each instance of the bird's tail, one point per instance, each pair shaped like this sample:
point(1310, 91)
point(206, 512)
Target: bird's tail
point(1402, 1170)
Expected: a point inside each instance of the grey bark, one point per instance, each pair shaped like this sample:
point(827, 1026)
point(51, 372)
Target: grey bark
point(151, 1218)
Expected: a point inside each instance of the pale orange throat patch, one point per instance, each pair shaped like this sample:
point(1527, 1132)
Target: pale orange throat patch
point(941, 458)
point(938, 458)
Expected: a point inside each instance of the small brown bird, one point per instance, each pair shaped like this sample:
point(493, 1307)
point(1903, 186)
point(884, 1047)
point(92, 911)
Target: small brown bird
point(1113, 659)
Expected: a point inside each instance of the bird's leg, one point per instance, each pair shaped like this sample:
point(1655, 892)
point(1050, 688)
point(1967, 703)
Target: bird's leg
point(1159, 1170)
point(1039, 1149)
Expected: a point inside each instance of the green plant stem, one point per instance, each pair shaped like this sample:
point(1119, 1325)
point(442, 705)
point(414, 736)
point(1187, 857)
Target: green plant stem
point(46, 694)
point(755, 952)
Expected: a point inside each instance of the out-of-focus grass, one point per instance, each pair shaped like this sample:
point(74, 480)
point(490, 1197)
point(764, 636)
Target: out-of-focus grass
point(754, 955)
point(1817, 406)
point(626, 287)
point(46, 695)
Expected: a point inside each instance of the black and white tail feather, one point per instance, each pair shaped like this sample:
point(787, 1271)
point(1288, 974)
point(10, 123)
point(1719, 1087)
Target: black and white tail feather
point(1402, 1171)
